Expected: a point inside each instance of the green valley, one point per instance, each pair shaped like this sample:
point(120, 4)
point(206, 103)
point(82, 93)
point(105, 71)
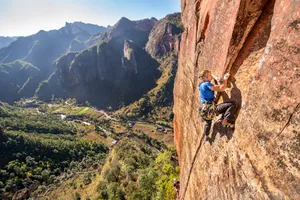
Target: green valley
point(51, 148)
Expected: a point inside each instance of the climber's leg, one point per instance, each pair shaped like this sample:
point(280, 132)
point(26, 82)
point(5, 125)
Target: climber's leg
point(228, 109)
point(207, 127)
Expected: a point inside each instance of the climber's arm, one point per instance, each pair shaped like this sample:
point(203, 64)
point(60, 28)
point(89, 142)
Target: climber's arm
point(221, 87)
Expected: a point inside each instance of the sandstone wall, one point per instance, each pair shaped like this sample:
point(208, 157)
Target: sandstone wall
point(259, 42)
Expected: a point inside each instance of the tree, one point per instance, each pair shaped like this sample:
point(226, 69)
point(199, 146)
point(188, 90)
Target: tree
point(102, 190)
point(164, 183)
point(115, 192)
point(146, 182)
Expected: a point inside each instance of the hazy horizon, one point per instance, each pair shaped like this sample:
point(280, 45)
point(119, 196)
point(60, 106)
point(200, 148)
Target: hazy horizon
point(27, 17)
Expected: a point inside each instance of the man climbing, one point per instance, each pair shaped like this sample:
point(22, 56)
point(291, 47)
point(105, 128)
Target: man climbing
point(176, 185)
point(207, 98)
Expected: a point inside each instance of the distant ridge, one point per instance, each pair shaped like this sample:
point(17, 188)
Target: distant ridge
point(5, 41)
point(40, 50)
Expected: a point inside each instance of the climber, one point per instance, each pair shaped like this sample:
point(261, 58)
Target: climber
point(209, 108)
point(176, 185)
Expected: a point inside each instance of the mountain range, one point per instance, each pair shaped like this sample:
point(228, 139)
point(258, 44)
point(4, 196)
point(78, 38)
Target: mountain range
point(39, 50)
point(111, 66)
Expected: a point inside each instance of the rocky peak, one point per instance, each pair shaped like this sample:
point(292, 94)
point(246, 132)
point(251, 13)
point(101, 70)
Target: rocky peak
point(127, 29)
point(90, 28)
point(146, 24)
point(258, 42)
point(165, 36)
point(72, 29)
point(129, 60)
point(122, 25)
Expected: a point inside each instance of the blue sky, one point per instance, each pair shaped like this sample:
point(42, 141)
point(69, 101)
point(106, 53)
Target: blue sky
point(26, 17)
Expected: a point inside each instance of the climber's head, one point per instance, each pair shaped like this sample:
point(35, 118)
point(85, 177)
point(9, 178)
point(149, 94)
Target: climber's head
point(206, 76)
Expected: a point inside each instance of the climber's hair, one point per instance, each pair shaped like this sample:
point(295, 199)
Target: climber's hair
point(204, 73)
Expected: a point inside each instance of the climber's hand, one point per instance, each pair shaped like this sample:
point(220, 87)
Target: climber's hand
point(226, 76)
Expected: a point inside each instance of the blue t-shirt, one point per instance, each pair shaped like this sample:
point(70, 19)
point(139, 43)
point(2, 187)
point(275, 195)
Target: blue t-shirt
point(206, 94)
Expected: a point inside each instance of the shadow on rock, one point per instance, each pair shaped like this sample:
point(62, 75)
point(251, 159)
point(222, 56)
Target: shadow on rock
point(218, 128)
point(237, 95)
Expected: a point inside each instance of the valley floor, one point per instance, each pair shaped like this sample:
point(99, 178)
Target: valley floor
point(82, 176)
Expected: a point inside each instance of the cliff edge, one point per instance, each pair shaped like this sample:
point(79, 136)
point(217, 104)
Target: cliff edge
point(258, 41)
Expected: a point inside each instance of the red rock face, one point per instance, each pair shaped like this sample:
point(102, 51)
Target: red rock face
point(258, 41)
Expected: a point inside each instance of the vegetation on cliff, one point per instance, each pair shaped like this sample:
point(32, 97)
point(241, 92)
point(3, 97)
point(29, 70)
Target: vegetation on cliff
point(135, 171)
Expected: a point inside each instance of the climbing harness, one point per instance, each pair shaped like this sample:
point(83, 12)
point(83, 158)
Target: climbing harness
point(207, 111)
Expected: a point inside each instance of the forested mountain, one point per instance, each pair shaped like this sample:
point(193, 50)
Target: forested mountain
point(118, 70)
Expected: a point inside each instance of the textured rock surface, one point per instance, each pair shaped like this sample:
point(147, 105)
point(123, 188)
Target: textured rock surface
point(259, 42)
point(129, 60)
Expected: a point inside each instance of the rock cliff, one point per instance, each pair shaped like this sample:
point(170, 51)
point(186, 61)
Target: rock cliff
point(105, 74)
point(258, 41)
point(163, 46)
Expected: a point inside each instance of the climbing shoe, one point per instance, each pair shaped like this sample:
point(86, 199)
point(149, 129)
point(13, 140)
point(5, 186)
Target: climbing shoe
point(229, 125)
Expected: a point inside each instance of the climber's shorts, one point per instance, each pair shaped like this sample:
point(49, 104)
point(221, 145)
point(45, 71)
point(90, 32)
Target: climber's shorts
point(207, 111)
